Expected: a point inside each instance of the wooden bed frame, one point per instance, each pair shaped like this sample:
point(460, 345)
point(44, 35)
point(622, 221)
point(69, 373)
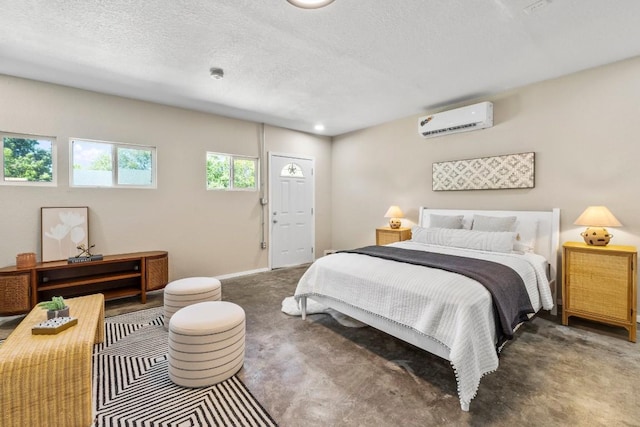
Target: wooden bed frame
point(547, 242)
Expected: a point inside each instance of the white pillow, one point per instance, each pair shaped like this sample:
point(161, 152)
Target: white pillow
point(419, 234)
point(526, 232)
point(494, 241)
point(445, 221)
point(493, 223)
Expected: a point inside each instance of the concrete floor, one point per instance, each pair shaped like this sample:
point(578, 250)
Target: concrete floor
point(319, 373)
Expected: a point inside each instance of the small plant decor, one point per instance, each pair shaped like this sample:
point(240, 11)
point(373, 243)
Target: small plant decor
point(55, 308)
point(56, 303)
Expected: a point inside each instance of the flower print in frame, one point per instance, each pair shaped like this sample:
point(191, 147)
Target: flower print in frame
point(63, 230)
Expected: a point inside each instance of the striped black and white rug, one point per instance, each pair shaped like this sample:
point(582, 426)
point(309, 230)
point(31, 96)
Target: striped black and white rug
point(131, 384)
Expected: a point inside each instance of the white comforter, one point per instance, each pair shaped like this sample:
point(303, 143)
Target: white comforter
point(451, 309)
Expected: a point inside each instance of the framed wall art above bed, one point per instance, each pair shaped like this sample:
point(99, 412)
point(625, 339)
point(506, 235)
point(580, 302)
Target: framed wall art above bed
point(485, 173)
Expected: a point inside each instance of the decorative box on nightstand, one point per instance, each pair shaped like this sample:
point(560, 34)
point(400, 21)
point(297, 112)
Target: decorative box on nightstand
point(386, 235)
point(600, 283)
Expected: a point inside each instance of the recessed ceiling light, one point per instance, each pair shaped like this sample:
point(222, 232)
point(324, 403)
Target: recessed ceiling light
point(310, 4)
point(216, 73)
point(319, 127)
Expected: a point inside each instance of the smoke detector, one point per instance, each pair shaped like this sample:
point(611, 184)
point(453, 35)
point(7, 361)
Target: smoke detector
point(216, 73)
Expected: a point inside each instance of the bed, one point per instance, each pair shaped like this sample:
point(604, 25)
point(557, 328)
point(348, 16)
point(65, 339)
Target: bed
point(441, 309)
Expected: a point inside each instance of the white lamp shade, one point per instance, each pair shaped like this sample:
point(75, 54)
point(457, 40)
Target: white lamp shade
point(394, 212)
point(597, 216)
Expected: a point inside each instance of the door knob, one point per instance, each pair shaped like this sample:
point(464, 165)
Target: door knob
point(275, 221)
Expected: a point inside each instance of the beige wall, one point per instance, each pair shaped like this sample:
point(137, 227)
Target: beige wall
point(205, 232)
point(583, 129)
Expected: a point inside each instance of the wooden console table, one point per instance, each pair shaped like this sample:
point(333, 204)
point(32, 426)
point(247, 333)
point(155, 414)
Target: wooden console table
point(46, 379)
point(115, 276)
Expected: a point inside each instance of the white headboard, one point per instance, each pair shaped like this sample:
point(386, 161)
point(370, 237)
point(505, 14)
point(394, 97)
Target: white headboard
point(547, 236)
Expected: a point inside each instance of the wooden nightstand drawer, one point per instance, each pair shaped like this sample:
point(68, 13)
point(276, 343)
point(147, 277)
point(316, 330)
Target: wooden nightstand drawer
point(386, 235)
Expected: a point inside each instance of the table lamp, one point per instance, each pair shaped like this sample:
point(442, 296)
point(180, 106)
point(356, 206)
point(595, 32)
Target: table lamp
point(596, 218)
point(395, 214)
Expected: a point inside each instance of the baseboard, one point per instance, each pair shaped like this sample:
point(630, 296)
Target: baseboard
point(241, 273)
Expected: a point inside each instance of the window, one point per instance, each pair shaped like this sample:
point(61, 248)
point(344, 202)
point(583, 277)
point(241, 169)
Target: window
point(27, 159)
point(292, 170)
point(109, 164)
point(228, 172)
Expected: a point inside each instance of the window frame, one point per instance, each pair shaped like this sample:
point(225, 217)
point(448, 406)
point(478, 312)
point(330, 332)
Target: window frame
point(114, 164)
point(54, 160)
point(232, 157)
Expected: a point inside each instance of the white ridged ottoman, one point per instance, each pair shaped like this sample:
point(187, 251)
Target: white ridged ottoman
point(206, 343)
point(183, 292)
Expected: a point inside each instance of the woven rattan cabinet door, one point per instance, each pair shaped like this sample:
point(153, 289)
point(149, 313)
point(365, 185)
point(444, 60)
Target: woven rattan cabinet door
point(157, 272)
point(14, 293)
point(600, 283)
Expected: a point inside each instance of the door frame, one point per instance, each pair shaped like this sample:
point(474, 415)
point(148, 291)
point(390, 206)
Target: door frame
point(270, 155)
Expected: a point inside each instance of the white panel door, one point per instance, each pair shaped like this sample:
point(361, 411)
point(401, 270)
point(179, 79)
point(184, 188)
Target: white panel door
point(291, 210)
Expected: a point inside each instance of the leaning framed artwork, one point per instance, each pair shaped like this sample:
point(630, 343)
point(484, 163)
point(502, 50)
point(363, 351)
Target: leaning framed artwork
point(485, 173)
point(62, 231)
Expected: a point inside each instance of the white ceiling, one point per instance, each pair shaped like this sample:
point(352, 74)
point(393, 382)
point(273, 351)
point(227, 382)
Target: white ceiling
point(351, 65)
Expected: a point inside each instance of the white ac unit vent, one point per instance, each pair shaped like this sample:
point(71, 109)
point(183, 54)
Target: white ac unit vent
point(464, 119)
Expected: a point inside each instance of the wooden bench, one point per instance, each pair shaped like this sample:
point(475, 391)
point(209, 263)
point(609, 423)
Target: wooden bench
point(46, 379)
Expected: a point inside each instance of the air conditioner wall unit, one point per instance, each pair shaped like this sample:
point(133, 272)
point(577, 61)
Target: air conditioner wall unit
point(464, 119)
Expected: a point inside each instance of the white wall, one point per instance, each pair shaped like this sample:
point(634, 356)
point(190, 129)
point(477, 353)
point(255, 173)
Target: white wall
point(205, 232)
point(584, 132)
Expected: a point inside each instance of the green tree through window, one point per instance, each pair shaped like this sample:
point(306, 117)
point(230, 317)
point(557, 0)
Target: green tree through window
point(27, 159)
point(131, 158)
point(228, 172)
point(111, 164)
point(101, 163)
point(244, 173)
point(218, 171)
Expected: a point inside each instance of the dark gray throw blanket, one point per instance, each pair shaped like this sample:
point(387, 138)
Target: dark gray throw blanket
point(510, 299)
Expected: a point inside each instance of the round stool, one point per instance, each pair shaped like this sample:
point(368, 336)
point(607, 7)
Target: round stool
point(184, 292)
point(206, 343)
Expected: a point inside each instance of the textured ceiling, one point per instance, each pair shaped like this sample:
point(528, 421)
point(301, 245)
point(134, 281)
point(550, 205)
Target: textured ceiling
point(351, 65)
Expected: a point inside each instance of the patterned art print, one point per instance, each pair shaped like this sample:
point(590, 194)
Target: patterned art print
point(485, 173)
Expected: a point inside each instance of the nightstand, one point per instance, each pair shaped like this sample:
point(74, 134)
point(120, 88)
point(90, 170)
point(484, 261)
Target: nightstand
point(386, 235)
point(600, 283)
